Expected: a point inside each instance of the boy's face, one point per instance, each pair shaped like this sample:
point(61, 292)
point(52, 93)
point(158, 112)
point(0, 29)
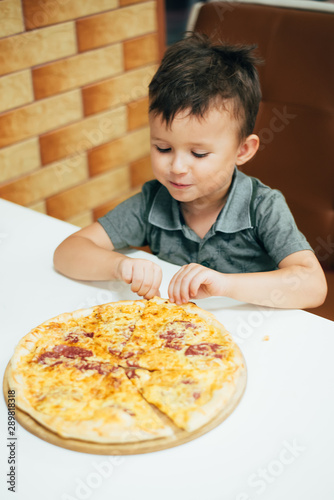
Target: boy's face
point(195, 157)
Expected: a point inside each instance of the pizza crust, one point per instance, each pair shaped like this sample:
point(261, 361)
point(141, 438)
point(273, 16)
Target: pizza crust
point(115, 427)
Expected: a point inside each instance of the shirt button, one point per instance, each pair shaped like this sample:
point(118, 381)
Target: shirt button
point(205, 263)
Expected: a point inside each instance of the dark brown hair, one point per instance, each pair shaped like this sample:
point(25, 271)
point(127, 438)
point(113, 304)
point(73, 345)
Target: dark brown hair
point(197, 73)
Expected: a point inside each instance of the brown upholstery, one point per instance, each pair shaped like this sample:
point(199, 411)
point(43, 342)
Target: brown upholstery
point(296, 117)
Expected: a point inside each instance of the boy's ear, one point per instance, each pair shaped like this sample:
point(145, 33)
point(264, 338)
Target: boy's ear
point(247, 149)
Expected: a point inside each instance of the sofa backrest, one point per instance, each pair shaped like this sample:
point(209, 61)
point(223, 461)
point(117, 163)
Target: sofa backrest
point(296, 117)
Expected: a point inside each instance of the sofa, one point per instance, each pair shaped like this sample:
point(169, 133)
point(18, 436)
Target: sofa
point(296, 117)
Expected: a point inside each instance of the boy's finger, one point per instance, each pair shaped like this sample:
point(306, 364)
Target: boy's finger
point(196, 282)
point(127, 273)
point(172, 291)
point(157, 279)
point(174, 286)
point(152, 282)
point(155, 288)
point(137, 278)
point(152, 293)
point(178, 280)
point(146, 282)
point(190, 283)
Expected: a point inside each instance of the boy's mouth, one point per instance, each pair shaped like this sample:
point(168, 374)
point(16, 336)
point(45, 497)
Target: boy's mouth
point(179, 186)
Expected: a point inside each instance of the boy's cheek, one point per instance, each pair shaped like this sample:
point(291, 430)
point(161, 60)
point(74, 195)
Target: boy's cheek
point(159, 174)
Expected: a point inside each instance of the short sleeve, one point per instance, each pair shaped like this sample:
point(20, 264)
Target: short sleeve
point(127, 223)
point(275, 226)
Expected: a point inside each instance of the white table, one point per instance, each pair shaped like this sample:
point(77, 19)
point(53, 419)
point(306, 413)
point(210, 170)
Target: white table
point(277, 444)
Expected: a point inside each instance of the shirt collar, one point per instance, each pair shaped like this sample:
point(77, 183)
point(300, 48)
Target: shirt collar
point(164, 211)
point(234, 217)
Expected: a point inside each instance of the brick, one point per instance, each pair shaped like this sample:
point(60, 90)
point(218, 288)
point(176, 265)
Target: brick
point(110, 205)
point(128, 148)
point(141, 171)
point(11, 18)
point(83, 219)
point(83, 135)
point(77, 71)
point(46, 12)
point(128, 22)
point(39, 117)
point(122, 3)
point(15, 90)
point(123, 89)
point(141, 51)
point(37, 47)
point(44, 182)
point(138, 113)
point(19, 159)
point(90, 194)
point(39, 206)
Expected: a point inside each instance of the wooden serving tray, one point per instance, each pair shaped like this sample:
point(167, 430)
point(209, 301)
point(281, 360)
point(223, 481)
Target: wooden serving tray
point(134, 448)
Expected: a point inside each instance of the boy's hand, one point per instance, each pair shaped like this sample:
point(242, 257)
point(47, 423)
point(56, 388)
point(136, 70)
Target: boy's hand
point(145, 276)
point(194, 281)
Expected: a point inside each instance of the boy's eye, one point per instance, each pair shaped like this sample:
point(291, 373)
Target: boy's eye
point(163, 150)
point(168, 150)
point(199, 155)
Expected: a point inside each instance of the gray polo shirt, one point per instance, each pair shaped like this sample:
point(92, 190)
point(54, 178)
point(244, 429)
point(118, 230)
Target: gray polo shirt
point(254, 231)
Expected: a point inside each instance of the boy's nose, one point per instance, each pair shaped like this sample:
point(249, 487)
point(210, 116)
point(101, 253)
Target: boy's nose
point(178, 164)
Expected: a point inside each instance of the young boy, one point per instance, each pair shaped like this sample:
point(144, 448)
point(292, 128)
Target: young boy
point(232, 235)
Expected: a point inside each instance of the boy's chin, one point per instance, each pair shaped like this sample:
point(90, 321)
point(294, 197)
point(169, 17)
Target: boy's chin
point(180, 195)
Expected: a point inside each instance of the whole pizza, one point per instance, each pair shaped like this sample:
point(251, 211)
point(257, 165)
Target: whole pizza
point(127, 371)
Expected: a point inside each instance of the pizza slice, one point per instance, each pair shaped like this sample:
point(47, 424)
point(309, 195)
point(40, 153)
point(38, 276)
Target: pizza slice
point(203, 356)
point(103, 329)
point(63, 338)
point(113, 324)
point(76, 395)
point(190, 398)
point(165, 326)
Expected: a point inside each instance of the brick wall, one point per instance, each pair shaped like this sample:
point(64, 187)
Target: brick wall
point(74, 134)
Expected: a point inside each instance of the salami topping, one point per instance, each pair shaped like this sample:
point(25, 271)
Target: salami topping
point(174, 334)
point(204, 349)
point(189, 325)
point(128, 355)
point(73, 337)
point(101, 368)
point(132, 364)
point(115, 352)
point(67, 351)
point(171, 335)
point(131, 373)
point(176, 329)
point(184, 324)
point(173, 345)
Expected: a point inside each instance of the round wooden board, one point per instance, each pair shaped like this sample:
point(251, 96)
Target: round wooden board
point(135, 448)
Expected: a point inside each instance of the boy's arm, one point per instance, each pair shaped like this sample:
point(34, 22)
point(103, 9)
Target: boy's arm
point(298, 283)
point(89, 254)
